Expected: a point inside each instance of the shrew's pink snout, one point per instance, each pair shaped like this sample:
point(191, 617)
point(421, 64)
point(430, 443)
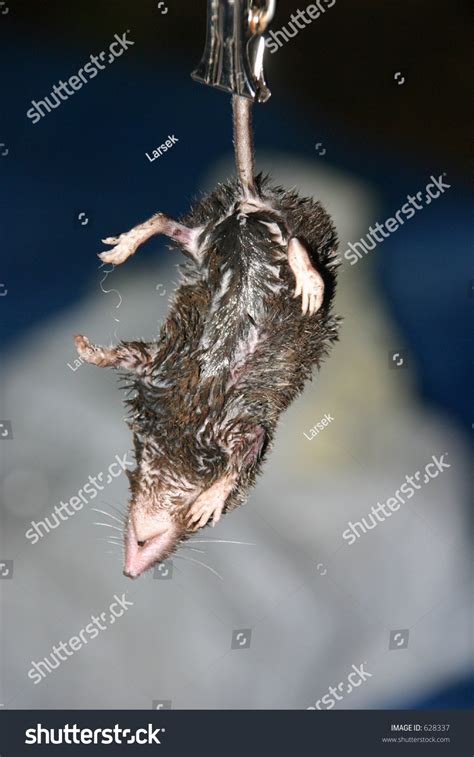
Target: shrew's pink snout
point(148, 540)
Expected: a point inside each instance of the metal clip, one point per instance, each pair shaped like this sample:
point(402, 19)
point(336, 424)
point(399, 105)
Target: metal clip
point(233, 55)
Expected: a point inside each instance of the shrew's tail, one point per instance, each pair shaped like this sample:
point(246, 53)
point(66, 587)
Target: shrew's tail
point(243, 143)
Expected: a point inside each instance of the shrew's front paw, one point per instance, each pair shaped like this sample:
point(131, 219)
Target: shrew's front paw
point(202, 509)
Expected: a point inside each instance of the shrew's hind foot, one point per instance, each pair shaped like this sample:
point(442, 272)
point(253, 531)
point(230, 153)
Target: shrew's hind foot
point(309, 283)
point(125, 245)
point(91, 353)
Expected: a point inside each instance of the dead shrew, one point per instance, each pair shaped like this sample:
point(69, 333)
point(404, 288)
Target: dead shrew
point(250, 319)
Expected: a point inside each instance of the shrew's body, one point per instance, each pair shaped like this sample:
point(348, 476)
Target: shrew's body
point(234, 351)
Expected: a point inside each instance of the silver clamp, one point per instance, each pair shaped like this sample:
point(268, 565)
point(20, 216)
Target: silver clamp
point(233, 55)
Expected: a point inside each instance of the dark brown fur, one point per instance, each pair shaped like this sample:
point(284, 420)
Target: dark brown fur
point(169, 418)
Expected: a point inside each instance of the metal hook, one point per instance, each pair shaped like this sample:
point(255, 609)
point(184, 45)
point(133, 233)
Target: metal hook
point(259, 18)
point(233, 54)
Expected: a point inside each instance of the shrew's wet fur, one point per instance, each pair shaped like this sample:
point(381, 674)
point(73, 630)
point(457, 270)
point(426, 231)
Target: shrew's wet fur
point(251, 318)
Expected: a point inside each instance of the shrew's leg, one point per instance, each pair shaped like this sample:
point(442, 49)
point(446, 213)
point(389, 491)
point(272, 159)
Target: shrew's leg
point(309, 283)
point(128, 242)
point(211, 502)
point(244, 444)
point(133, 356)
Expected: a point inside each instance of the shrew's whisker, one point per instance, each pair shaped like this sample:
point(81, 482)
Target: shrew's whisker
point(122, 510)
point(107, 525)
point(198, 562)
point(221, 541)
point(103, 512)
